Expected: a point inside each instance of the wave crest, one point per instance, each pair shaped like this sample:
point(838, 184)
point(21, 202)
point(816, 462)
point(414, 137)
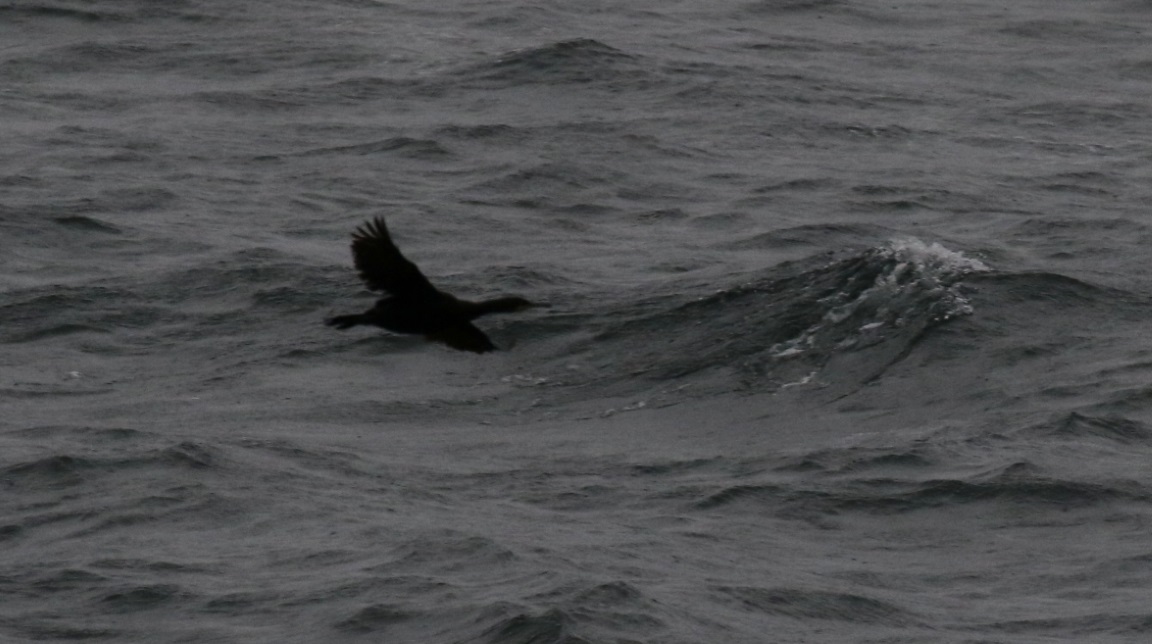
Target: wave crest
point(863, 309)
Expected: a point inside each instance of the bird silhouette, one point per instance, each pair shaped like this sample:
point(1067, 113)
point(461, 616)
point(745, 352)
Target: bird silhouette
point(413, 305)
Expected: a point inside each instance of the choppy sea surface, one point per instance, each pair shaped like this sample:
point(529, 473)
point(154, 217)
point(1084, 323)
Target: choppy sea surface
point(848, 337)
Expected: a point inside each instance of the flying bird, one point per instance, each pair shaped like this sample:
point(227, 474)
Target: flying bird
point(413, 305)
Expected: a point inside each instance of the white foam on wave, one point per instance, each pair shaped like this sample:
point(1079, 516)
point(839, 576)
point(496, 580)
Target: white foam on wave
point(920, 279)
point(934, 257)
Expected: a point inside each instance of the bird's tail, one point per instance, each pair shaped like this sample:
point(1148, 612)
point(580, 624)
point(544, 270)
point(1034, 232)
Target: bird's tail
point(345, 321)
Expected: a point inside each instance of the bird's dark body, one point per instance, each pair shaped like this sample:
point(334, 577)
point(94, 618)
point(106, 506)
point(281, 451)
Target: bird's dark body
point(415, 306)
point(400, 317)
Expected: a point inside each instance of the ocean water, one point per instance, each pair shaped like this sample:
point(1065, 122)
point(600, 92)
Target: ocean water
point(847, 341)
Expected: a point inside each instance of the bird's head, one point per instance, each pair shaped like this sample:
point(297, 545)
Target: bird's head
point(510, 304)
point(520, 304)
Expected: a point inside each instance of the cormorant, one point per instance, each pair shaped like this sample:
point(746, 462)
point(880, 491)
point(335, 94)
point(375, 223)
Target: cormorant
point(415, 306)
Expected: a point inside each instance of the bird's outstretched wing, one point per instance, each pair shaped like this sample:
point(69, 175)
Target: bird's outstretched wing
point(464, 337)
point(381, 265)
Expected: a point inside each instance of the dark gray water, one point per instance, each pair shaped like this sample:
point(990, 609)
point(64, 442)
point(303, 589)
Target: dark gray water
point(847, 339)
